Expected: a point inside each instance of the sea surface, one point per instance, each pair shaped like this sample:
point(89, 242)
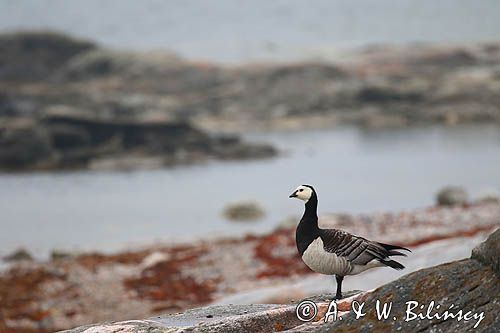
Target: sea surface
point(237, 31)
point(353, 170)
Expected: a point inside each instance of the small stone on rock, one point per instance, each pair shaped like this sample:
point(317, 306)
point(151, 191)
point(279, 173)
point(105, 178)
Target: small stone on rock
point(20, 254)
point(451, 196)
point(244, 211)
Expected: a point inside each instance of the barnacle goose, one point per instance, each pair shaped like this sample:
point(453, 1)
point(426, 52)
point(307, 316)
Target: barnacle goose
point(336, 252)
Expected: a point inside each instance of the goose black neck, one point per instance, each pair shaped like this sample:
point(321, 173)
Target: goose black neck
point(311, 212)
point(308, 230)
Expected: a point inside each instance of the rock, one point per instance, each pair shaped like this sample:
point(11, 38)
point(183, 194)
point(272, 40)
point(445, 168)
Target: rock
point(228, 318)
point(397, 83)
point(235, 318)
point(60, 254)
point(24, 144)
point(387, 94)
point(155, 136)
point(102, 62)
point(8, 107)
point(488, 252)
point(489, 196)
point(153, 259)
point(95, 64)
point(125, 163)
point(20, 254)
point(452, 58)
point(66, 137)
point(451, 196)
point(28, 56)
point(240, 150)
point(244, 211)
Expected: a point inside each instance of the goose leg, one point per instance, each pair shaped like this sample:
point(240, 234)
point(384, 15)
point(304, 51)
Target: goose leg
point(339, 286)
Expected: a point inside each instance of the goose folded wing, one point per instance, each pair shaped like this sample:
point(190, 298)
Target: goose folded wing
point(355, 249)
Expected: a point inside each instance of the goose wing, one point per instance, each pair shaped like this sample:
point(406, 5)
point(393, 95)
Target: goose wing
point(358, 250)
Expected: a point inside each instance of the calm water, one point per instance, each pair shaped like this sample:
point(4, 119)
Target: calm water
point(353, 170)
point(229, 30)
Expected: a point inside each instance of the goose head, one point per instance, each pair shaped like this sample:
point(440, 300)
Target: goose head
point(303, 192)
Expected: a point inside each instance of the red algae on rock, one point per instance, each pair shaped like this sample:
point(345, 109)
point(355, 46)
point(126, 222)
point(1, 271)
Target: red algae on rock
point(20, 289)
point(93, 260)
point(165, 282)
point(277, 252)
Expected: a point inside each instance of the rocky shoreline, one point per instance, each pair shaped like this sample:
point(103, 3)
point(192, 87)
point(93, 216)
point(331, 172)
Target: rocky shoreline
point(42, 74)
point(468, 290)
point(66, 139)
point(75, 290)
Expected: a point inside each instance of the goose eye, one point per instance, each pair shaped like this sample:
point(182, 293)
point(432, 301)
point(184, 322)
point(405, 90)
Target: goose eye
point(301, 190)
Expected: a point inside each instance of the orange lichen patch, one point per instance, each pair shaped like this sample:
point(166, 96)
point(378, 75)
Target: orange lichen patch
point(277, 251)
point(166, 283)
point(344, 305)
point(92, 260)
point(19, 295)
point(322, 310)
point(278, 327)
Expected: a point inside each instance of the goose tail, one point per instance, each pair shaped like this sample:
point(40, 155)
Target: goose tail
point(393, 264)
point(391, 249)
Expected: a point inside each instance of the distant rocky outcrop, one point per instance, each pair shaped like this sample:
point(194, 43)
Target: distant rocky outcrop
point(52, 125)
point(103, 62)
point(377, 87)
point(69, 139)
point(23, 144)
point(373, 87)
point(33, 56)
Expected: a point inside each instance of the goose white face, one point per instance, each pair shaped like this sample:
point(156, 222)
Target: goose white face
point(303, 193)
